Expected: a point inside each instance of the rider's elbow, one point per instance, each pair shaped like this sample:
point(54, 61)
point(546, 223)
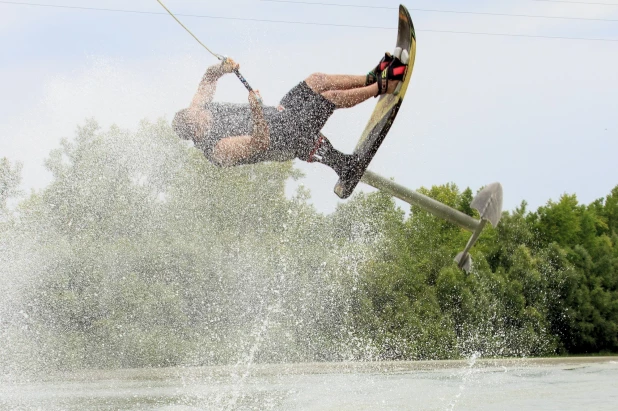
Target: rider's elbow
point(261, 144)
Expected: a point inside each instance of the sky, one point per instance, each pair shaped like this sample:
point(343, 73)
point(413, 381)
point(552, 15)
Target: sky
point(537, 114)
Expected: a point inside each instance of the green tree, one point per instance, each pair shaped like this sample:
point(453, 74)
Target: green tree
point(10, 176)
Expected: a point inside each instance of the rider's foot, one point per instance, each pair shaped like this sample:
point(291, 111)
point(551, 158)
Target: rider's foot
point(374, 74)
point(391, 77)
point(392, 86)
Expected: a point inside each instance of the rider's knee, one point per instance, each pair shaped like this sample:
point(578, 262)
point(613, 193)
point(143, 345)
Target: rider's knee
point(316, 82)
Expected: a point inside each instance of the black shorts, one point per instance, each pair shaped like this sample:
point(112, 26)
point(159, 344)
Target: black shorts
point(305, 114)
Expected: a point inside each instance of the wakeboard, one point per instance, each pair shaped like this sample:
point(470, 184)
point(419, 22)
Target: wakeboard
point(384, 113)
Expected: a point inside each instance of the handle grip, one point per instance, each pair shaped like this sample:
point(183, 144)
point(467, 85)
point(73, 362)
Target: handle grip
point(246, 84)
point(243, 80)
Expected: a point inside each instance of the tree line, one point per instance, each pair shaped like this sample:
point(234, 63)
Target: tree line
point(141, 253)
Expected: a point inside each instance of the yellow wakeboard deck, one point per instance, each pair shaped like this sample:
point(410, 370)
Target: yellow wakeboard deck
point(385, 111)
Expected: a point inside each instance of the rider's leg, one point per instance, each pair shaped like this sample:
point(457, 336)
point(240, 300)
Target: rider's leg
point(352, 97)
point(320, 82)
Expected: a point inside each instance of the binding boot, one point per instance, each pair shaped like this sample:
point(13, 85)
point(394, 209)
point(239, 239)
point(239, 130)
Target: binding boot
point(324, 152)
point(394, 72)
point(374, 74)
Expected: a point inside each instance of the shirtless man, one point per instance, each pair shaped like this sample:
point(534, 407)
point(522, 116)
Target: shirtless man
point(236, 134)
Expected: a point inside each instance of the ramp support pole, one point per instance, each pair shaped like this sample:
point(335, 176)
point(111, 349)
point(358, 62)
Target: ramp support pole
point(488, 202)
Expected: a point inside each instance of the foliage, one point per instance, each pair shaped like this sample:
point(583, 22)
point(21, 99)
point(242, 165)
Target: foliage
point(141, 253)
point(9, 183)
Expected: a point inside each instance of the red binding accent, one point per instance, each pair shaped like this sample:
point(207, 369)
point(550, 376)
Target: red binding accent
point(398, 71)
point(315, 148)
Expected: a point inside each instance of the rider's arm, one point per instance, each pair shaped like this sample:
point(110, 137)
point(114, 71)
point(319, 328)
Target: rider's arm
point(230, 150)
point(208, 86)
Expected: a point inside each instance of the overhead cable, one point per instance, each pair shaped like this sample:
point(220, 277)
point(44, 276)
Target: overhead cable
point(479, 13)
point(578, 2)
point(310, 23)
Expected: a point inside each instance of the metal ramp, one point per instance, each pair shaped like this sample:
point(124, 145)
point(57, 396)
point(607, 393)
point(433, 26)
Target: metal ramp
point(488, 202)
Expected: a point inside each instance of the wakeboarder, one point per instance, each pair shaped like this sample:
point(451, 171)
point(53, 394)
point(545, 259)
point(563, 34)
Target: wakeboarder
point(236, 134)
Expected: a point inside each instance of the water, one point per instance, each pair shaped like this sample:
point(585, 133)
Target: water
point(564, 384)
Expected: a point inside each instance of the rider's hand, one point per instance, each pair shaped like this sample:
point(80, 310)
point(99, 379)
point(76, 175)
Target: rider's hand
point(229, 65)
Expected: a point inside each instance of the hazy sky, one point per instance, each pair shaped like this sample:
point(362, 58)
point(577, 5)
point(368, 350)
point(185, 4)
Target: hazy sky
point(539, 115)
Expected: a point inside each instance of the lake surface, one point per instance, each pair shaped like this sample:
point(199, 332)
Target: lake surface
point(531, 384)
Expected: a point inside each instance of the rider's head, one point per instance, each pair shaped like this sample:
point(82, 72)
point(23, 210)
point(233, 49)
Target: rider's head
point(191, 123)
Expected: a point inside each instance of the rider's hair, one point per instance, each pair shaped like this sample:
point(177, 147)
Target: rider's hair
point(184, 125)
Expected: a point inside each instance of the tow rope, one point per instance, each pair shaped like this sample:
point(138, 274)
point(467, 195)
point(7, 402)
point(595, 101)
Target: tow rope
point(218, 56)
